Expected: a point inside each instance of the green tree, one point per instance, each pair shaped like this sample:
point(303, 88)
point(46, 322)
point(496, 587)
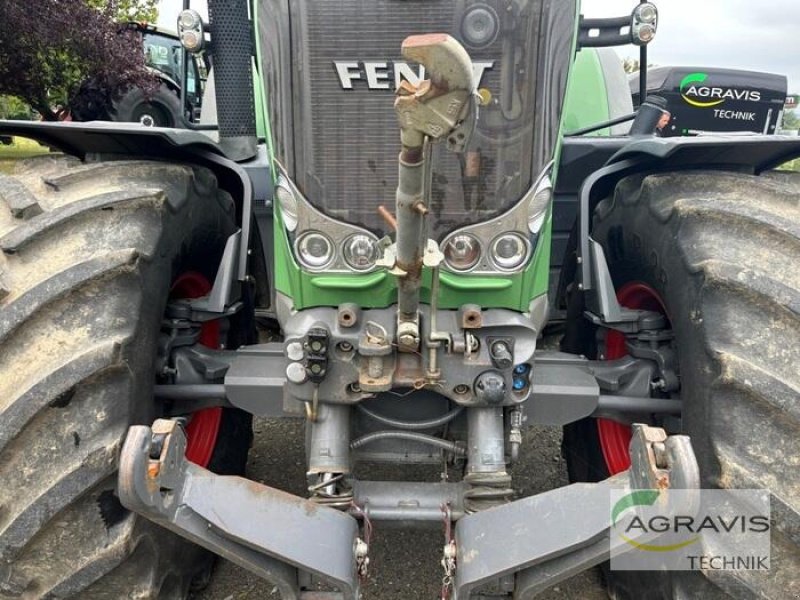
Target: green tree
point(129, 10)
point(50, 48)
point(790, 120)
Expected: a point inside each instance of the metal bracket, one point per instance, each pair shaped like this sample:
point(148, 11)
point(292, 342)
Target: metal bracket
point(274, 534)
point(566, 530)
point(226, 288)
point(603, 307)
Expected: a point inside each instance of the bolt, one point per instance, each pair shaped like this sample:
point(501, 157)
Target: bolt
point(345, 347)
point(461, 389)
point(408, 340)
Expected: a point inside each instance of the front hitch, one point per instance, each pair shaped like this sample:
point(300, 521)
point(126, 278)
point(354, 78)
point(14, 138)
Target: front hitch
point(430, 111)
point(534, 542)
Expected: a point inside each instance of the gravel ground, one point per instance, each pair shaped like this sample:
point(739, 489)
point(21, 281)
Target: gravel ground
point(404, 564)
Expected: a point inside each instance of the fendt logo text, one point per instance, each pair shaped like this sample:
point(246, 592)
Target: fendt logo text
point(386, 75)
point(704, 96)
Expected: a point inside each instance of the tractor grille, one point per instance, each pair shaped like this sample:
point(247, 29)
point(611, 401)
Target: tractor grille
point(345, 142)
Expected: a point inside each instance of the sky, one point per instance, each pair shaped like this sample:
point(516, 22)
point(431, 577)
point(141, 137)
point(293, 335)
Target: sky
point(759, 35)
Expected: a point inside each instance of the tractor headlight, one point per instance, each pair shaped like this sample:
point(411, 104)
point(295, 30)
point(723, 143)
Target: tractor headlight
point(314, 249)
point(508, 251)
point(462, 252)
point(288, 206)
point(190, 30)
point(360, 252)
point(644, 22)
point(646, 13)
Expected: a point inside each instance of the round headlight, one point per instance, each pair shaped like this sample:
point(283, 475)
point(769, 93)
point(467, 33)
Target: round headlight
point(192, 40)
point(646, 13)
point(360, 252)
point(479, 26)
point(462, 252)
point(645, 33)
point(288, 204)
point(189, 19)
point(508, 251)
point(314, 249)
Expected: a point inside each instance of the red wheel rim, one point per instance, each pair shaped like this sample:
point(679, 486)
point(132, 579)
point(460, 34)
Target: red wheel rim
point(616, 437)
point(203, 428)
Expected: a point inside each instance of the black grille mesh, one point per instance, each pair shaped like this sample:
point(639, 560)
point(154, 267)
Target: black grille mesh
point(346, 142)
point(351, 162)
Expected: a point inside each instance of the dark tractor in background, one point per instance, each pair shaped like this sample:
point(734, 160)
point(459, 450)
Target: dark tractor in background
point(160, 286)
point(166, 105)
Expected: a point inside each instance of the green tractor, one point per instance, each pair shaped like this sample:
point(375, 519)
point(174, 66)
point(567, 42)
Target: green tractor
point(159, 287)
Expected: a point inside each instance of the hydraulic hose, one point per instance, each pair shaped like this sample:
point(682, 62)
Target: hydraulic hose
point(412, 425)
point(410, 436)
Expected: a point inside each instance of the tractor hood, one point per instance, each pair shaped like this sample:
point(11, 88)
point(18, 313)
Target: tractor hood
point(330, 70)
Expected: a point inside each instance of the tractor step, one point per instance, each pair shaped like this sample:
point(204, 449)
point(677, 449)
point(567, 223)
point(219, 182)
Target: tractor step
point(534, 542)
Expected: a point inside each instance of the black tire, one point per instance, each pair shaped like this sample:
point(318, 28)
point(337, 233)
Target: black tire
point(88, 255)
point(159, 109)
point(722, 250)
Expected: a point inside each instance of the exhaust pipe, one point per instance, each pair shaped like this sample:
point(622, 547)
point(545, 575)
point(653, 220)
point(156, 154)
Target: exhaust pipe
point(427, 112)
point(232, 54)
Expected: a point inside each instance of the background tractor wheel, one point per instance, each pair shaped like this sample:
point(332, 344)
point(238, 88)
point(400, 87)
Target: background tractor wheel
point(89, 255)
point(160, 109)
point(718, 252)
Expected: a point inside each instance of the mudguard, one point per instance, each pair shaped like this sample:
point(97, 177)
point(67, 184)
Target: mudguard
point(133, 141)
point(626, 156)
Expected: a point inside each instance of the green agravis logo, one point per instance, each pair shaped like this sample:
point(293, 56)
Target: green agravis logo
point(704, 96)
point(630, 502)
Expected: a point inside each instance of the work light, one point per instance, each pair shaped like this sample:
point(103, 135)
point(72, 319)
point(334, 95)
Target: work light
point(190, 30)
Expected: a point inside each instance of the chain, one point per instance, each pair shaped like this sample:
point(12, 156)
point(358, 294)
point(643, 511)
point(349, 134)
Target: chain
point(448, 554)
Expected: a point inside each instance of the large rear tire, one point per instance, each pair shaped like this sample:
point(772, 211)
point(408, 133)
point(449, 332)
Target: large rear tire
point(89, 252)
point(721, 250)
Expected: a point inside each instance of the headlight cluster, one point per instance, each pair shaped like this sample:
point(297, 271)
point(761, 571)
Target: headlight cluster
point(322, 243)
point(644, 22)
point(341, 247)
point(191, 30)
point(509, 251)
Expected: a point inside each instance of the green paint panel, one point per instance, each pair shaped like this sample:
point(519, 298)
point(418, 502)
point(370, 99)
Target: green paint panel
point(378, 289)
point(586, 102)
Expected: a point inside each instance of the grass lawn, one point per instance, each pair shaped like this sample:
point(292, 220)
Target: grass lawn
point(21, 148)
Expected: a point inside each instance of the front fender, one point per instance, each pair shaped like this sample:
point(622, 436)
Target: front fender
point(133, 141)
